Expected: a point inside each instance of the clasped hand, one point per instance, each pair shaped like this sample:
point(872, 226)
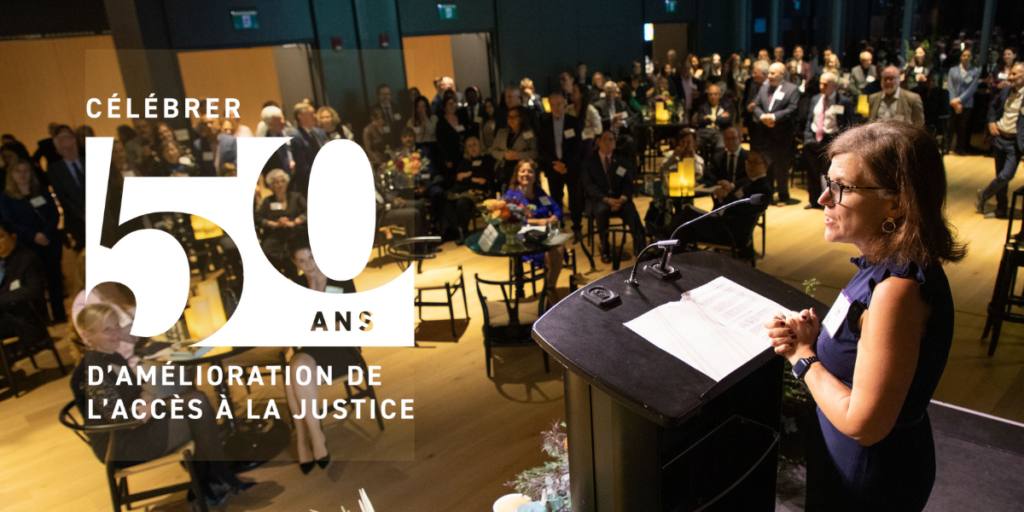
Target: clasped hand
point(794, 334)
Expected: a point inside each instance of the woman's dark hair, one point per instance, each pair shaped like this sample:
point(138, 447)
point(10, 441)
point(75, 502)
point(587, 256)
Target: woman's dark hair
point(581, 112)
point(513, 184)
point(524, 118)
point(906, 162)
point(484, 116)
point(125, 133)
point(296, 243)
point(376, 113)
point(17, 148)
point(408, 132)
point(416, 105)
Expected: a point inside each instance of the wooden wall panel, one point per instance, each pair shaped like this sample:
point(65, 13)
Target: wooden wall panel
point(248, 74)
point(427, 57)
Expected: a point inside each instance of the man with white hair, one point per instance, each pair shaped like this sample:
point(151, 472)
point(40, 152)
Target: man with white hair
point(775, 108)
point(893, 102)
point(67, 177)
point(865, 73)
point(758, 77)
point(829, 114)
point(273, 118)
point(1006, 125)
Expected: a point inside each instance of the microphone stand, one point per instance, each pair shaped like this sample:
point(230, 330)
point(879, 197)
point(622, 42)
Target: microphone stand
point(662, 269)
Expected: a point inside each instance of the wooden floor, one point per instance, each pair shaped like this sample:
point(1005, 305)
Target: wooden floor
point(471, 433)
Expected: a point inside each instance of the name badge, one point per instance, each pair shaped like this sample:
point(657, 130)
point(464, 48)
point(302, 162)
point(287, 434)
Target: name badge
point(779, 94)
point(276, 206)
point(476, 163)
point(918, 70)
point(37, 201)
point(380, 198)
point(1002, 76)
point(185, 160)
point(899, 117)
point(460, 128)
point(838, 109)
point(207, 156)
point(386, 129)
point(836, 315)
point(602, 95)
point(545, 200)
point(527, 135)
point(869, 79)
point(16, 284)
point(418, 129)
point(478, 119)
point(129, 174)
point(337, 289)
point(398, 117)
point(620, 172)
point(569, 133)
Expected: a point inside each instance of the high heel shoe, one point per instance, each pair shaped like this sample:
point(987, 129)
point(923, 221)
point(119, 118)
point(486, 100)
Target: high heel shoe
point(324, 461)
point(306, 467)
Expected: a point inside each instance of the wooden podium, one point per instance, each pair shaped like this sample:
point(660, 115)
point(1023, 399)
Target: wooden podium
point(647, 432)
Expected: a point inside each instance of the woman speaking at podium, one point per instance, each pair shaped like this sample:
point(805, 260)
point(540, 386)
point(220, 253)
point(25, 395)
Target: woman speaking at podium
point(889, 331)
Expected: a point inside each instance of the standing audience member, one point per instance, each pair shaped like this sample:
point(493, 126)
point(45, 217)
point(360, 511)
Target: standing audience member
point(1000, 76)
point(558, 149)
point(273, 125)
point(608, 181)
point(776, 110)
point(829, 115)
point(513, 143)
point(213, 147)
point(961, 82)
point(140, 147)
point(47, 148)
point(67, 177)
point(1006, 126)
point(31, 211)
point(587, 115)
point(472, 113)
point(864, 74)
point(803, 69)
point(917, 70)
point(392, 119)
point(894, 102)
point(779, 55)
point(488, 124)
point(423, 122)
point(374, 141)
point(758, 78)
point(307, 139)
point(331, 124)
point(451, 134)
point(530, 98)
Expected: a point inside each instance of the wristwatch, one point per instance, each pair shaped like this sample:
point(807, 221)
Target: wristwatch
point(801, 367)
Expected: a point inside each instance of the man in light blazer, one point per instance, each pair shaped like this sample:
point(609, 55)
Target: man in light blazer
point(829, 114)
point(961, 83)
point(892, 102)
point(775, 109)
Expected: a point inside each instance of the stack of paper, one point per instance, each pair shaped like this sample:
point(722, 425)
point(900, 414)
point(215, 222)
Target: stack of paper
point(715, 328)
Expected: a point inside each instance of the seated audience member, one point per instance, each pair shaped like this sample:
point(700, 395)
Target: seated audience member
point(488, 125)
point(330, 123)
point(711, 118)
point(728, 165)
point(558, 147)
point(22, 290)
point(394, 210)
point(213, 147)
point(164, 133)
point(686, 147)
point(140, 146)
point(451, 134)
point(423, 122)
point(310, 441)
point(122, 300)
point(608, 181)
point(864, 74)
point(473, 181)
point(154, 438)
point(307, 139)
point(171, 163)
point(596, 87)
point(67, 177)
point(471, 114)
point(828, 115)
point(530, 98)
point(280, 216)
point(513, 143)
point(10, 153)
point(34, 216)
point(525, 189)
point(738, 221)
point(713, 71)
point(119, 161)
point(374, 142)
point(613, 111)
point(82, 133)
point(894, 102)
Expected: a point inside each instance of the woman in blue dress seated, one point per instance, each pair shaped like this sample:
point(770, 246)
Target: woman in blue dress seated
point(889, 331)
point(524, 188)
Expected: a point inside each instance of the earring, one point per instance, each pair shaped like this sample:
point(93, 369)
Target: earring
point(889, 225)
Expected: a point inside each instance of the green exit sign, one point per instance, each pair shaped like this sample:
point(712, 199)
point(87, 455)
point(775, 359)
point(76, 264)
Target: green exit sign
point(448, 11)
point(245, 20)
point(670, 5)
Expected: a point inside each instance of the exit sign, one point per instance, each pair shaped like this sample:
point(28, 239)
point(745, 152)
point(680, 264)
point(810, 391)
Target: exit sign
point(245, 20)
point(670, 5)
point(448, 11)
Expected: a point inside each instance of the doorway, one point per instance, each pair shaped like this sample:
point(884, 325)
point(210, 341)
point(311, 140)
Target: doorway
point(670, 36)
point(464, 57)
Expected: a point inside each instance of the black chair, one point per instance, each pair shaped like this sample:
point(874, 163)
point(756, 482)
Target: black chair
point(1004, 299)
point(117, 475)
point(412, 251)
point(15, 349)
point(762, 222)
point(367, 390)
point(506, 324)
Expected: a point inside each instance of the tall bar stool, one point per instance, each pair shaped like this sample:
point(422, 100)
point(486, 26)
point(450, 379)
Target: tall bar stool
point(1000, 308)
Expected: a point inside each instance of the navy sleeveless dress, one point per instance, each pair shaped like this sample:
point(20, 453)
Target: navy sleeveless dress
point(896, 473)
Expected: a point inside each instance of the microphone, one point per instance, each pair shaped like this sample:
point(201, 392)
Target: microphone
point(665, 271)
point(632, 275)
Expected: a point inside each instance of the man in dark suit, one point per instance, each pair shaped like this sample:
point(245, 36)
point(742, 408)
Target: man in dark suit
point(711, 118)
point(471, 114)
point(1006, 124)
point(758, 77)
point(804, 69)
point(214, 148)
point(775, 108)
point(829, 114)
point(22, 290)
point(46, 148)
point(727, 166)
point(67, 177)
point(616, 118)
point(558, 150)
point(393, 123)
point(307, 139)
point(273, 117)
point(608, 180)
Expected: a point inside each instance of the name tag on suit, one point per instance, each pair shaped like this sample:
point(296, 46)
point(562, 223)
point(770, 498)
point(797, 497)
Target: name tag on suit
point(37, 201)
point(15, 284)
point(476, 163)
point(779, 94)
point(460, 128)
point(207, 156)
point(276, 206)
point(527, 135)
point(837, 109)
point(398, 117)
point(386, 129)
point(545, 200)
point(620, 172)
point(569, 133)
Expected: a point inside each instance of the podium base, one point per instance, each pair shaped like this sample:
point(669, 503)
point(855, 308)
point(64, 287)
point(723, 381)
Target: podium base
point(664, 273)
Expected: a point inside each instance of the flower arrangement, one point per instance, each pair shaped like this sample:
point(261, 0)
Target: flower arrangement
point(548, 485)
point(499, 211)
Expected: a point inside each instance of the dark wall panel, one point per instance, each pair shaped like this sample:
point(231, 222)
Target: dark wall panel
point(420, 18)
point(52, 17)
point(208, 24)
point(341, 70)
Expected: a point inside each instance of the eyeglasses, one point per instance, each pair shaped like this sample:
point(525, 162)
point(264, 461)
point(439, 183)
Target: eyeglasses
point(836, 189)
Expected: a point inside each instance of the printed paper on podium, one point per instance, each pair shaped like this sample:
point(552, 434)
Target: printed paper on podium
point(715, 328)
